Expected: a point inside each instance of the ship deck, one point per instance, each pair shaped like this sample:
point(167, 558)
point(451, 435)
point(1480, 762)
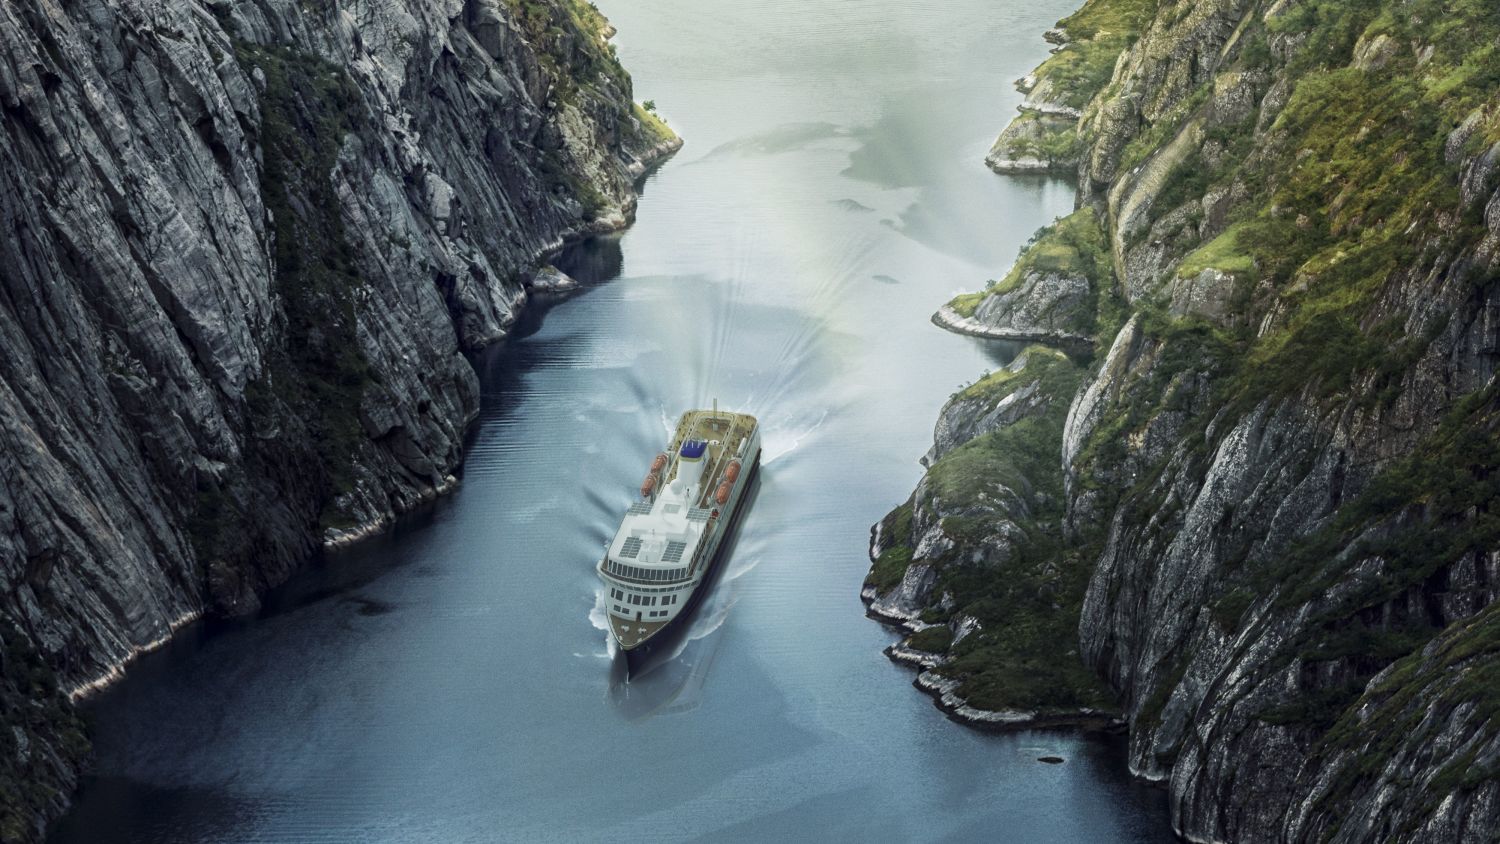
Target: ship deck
point(724, 432)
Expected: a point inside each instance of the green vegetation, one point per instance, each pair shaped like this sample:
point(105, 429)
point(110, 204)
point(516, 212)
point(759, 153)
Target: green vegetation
point(1098, 33)
point(1354, 188)
point(1047, 138)
point(1422, 512)
point(32, 702)
point(890, 565)
point(1184, 346)
point(1074, 245)
point(569, 40)
point(581, 67)
point(1025, 655)
point(652, 123)
point(1223, 253)
point(932, 639)
point(1419, 697)
point(967, 303)
point(1157, 134)
point(316, 373)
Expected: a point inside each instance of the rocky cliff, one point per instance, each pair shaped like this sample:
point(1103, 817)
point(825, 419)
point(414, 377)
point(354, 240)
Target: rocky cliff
point(243, 247)
point(1279, 469)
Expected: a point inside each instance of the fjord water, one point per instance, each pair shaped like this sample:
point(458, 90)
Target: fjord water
point(452, 681)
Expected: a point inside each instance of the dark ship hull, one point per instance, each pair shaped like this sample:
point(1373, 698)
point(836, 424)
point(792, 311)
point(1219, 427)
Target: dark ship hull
point(663, 644)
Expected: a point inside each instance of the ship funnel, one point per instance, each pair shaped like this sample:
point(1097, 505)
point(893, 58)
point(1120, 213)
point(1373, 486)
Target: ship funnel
point(690, 464)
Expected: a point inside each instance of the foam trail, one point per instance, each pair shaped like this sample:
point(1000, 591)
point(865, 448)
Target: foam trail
point(741, 571)
point(599, 617)
point(779, 442)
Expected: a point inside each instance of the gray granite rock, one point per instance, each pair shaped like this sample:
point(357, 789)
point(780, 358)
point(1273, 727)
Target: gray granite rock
point(191, 402)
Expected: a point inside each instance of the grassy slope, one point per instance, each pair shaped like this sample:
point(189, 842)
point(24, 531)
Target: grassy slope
point(1350, 191)
point(1025, 656)
point(1071, 245)
point(1343, 195)
point(1097, 34)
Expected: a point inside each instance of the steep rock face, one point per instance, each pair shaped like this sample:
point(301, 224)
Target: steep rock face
point(1044, 137)
point(973, 563)
point(1042, 306)
point(244, 246)
point(1282, 468)
point(1272, 572)
point(1050, 295)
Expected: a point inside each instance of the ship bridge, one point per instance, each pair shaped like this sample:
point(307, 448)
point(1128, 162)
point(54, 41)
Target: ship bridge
point(668, 539)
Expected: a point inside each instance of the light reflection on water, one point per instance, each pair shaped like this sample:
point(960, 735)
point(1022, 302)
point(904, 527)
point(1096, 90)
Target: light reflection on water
point(452, 681)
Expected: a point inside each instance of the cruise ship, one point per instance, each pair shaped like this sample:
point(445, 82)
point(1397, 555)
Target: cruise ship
point(669, 542)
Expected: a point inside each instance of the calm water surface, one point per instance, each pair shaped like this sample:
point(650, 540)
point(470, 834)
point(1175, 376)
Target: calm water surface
point(452, 682)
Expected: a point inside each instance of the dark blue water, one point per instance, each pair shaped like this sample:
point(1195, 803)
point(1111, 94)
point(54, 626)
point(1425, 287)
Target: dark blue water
point(451, 682)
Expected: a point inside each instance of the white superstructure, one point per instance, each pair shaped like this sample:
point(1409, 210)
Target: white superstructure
point(668, 540)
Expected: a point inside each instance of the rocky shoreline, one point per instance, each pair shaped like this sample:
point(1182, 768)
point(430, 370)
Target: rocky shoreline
point(944, 690)
point(947, 317)
point(1259, 517)
point(547, 280)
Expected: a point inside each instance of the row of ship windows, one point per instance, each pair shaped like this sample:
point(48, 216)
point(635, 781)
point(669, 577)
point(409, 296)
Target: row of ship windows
point(642, 600)
point(638, 573)
point(652, 614)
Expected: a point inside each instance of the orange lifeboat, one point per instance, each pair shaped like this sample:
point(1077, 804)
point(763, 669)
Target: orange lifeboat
point(722, 494)
point(649, 484)
point(732, 474)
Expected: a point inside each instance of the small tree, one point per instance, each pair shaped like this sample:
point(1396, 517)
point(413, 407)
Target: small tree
point(649, 105)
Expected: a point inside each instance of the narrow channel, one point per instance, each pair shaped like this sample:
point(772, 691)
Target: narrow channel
point(451, 681)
